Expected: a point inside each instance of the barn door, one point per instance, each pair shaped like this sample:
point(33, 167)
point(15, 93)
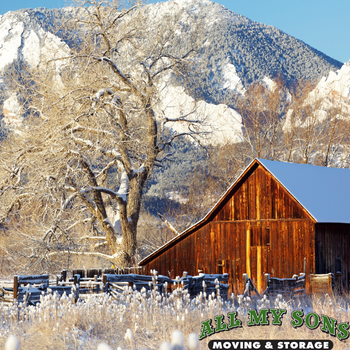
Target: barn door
point(258, 241)
point(233, 268)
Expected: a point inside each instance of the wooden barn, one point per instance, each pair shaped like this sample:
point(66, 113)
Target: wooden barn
point(272, 217)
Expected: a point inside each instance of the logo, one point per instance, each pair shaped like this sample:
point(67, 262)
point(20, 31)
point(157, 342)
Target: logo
point(269, 344)
point(273, 317)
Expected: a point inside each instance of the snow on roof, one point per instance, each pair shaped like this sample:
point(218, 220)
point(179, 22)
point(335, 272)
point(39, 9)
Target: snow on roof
point(323, 191)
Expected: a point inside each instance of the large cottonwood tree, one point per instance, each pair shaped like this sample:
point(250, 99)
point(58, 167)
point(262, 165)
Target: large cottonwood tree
point(94, 132)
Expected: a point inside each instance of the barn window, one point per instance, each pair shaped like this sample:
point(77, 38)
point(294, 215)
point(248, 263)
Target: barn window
point(337, 264)
point(259, 236)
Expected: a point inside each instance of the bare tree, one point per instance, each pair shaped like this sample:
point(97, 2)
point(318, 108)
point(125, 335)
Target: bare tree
point(92, 135)
point(316, 128)
point(294, 124)
point(262, 108)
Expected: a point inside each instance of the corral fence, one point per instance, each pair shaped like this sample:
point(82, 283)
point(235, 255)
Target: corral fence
point(288, 288)
point(80, 284)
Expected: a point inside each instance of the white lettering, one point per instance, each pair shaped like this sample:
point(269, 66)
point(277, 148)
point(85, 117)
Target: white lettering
point(217, 345)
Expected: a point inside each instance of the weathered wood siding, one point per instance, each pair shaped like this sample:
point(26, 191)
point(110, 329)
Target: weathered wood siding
point(332, 242)
point(260, 197)
point(221, 247)
point(281, 234)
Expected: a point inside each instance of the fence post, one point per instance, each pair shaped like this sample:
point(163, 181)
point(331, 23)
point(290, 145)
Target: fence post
point(15, 288)
point(245, 277)
point(64, 275)
point(267, 278)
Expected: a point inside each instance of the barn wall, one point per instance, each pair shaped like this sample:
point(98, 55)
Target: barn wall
point(221, 246)
point(332, 250)
point(260, 197)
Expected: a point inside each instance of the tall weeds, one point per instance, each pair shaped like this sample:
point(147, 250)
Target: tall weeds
point(146, 320)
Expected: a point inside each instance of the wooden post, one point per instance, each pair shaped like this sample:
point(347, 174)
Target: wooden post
point(64, 275)
point(267, 278)
point(15, 288)
point(307, 285)
point(259, 269)
point(248, 253)
point(245, 277)
point(233, 276)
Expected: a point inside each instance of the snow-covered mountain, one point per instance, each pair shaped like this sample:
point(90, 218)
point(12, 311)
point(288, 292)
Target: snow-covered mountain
point(26, 36)
point(334, 90)
point(236, 52)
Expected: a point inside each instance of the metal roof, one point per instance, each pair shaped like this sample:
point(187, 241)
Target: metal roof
point(324, 192)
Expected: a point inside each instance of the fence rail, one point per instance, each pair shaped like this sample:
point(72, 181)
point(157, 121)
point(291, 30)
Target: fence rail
point(80, 283)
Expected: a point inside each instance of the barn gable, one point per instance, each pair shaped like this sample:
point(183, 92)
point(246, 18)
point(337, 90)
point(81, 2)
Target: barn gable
point(259, 196)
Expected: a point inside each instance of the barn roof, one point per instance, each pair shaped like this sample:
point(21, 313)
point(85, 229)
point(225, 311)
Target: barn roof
point(324, 193)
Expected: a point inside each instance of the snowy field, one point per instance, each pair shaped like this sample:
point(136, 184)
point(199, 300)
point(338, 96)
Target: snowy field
point(147, 320)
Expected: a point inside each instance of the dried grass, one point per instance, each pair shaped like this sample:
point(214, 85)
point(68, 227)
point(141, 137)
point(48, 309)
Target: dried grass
point(152, 317)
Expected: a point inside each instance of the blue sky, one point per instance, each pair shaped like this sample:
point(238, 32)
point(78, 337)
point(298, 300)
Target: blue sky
point(323, 24)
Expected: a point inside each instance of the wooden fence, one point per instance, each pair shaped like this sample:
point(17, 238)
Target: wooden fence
point(81, 283)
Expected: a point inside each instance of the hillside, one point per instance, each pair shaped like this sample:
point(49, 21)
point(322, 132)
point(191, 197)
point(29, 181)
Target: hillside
point(235, 52)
